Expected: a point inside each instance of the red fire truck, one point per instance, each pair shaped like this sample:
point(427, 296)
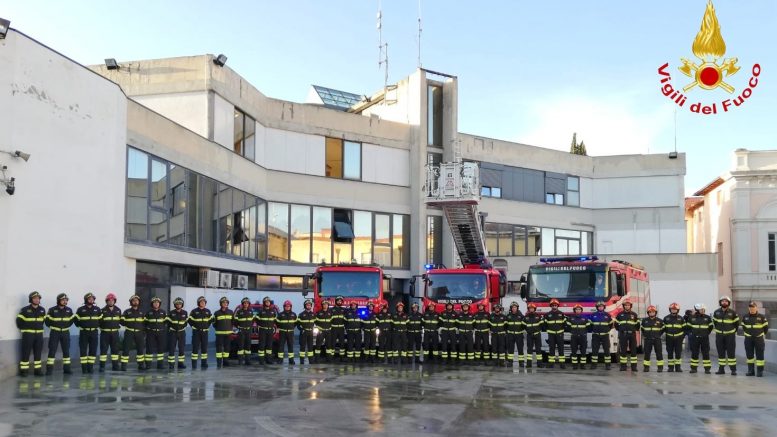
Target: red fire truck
point(473, 284)
point(360, 283)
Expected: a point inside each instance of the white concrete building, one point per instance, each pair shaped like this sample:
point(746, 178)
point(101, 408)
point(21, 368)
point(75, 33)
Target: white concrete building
point(142, 176)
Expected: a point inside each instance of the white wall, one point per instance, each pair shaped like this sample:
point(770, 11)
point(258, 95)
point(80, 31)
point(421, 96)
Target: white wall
point(63, 229)
point(292, 151)
point(635, 192)
point(189, 109)
point(223, 122)
point(385, 165)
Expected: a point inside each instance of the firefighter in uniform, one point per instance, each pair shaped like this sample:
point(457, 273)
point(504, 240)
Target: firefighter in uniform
point(515, 331)
point(222, 323)
point(134, 334)
point(244, 322)
point(30, 322)
point(554, 323)
point(652, 328)
point(601, 324)
point(369, 330)
point(755, 326)
point(430, 324)
point(627, 324)
point(497, 322)
point(534, 324)
point(414, 333)
point(399, 335)
point(88, 321)
point(465, 323)
point(384, 336)
point(176, 334)
point(324, 337)
point(110, 323)
point(286, 321)
point(448, 334)
point(200, 320)
point(265, 321)
point(353, 329)
point(338, 328)
point(578, 326)
point(481, 327)
point(700, 325)
point(156, 333)
point(305, 322)
point(59, 319)
point(725, 322)
point(674, 327)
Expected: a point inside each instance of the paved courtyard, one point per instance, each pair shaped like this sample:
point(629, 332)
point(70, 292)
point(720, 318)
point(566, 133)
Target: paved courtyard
point(347, 400)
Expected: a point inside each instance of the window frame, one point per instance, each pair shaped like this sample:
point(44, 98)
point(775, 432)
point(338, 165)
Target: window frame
point(771, 243)
point(242, 142)
point(569, 190)
point(344, 159)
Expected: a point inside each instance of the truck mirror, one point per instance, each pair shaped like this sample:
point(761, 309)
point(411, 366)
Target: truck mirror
point(306, 282)
point(523, 278)
point(412, 281)
point(304, 293)
point(621, 281)
point(523, 290)
point(502, 289)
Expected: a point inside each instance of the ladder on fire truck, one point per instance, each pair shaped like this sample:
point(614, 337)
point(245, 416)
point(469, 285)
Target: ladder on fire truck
point(455, 187)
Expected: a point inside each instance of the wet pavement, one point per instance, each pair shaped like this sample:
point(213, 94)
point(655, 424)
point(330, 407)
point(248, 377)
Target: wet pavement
point(339, 400)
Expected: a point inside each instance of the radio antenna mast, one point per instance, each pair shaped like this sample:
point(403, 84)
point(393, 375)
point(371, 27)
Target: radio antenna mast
point(420, 29)
point(382, 52)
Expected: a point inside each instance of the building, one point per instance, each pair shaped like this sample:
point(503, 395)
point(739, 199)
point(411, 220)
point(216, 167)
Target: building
point(735, 216)
point(144, 177)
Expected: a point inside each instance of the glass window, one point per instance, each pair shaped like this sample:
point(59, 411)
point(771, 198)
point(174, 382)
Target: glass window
point(400, 252)
point(573, 191)
point(573, 198)
point(573, 183)
point(519, 241)
point(505, 240)
point(322, 234)
point(342, 252)
point(239, 132)
point(382, 249)
point(567, 234)
point(496, 192)
point(237, 235)
point(300, 233)
point(434, 115)
point(434, 239)
point(352, 160)
point(559, 199)
point(157, 221)
point(249, 143)
point(534, 242)
point(362, 241)
point(548, 242)
point(334, 158)
point(207, 221)
point(550, 198)
point(291, 282)
point(261, 231)
point(492, 238)
point(584, 249)
point(485, 191)
point(772, 252)
point(137, 195)
point(268, 282)
point(278, 231)
point(249, 246)
point(224, 227)
point(158, 183)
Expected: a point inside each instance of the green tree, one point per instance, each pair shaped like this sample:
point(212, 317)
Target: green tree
point(573, 147)
point(577, 148)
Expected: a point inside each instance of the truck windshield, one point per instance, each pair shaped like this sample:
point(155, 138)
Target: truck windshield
point(446, 286)
point(584, 284)
point(350, 284)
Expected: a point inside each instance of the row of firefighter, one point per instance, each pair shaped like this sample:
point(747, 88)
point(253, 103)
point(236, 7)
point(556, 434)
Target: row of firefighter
point(375, 335)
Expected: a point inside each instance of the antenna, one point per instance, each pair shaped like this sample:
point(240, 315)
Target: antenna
point(675, 130)
point(382, 52)
point(419, 33)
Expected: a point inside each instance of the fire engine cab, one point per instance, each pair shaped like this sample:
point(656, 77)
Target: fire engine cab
point(359, 283)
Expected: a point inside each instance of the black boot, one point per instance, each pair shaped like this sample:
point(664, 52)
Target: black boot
point(66, 369)
point(115, 366)
point(160, 365)
point(750, 370)
point(84, 369)
point(575, 366)
point(301, 360)
point(291, 361)
point(720, 371)
point(645, 369)
point(760, 371)
point(203, 363)
point(623, 367)
point(733, 370)
point(562, 365)
point(171, 366)
point(593, 366)
point(671, 368)
point(607, 366)
point(529, 364)
point(23, 372)
point(49, 369)
point(38, 372)
point(194, 364)
point(181, 365)
point(219, 363)
point(521, 364)
point(694, 370)
point(101, 368)
point(550, 365)
point(247, 361)
point(510, 364)
point(141, 366)
point(678, 369)
point(123, 367)
point(708, 370)
point(660, 369)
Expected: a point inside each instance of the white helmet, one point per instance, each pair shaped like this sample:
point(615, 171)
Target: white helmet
point(725, 298)
point(698, 307)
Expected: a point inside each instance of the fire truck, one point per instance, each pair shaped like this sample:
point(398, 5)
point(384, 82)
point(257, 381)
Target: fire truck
point(455, 188)
point(586, 280)
point(360, 283)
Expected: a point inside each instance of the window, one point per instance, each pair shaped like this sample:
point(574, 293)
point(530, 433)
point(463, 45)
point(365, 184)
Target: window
point(720, 259)
point(771, 252)
point(573, 191)
point(137, 195)
point(362, 241)
point(291, 283)
point(300, 233)
point(519, 240)
point(382, 239)
point(278, 231)
point(268, 282)
point(534, 243)
point(343, 159)
point(322, 234)
point(434, 116)
point(434, 239)
point(567, 242)
point(486, 191)
point(400, 252)
point(554, 199)
point(245, 135)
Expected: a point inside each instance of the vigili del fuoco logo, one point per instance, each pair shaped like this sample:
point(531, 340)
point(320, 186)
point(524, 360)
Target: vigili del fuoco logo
point(712, 71)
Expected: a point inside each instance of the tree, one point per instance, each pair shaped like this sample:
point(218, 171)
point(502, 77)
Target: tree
point(581, 149)
point(577, 148)
point(573, 147)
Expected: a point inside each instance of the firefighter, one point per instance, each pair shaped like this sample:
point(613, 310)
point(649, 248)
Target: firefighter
point(30, 322)
point(286, 321)
point(353, 329)
point(674, 327)
point(176, 334)
point(554, 323)
point(399, 335)
point(338, 328)
point(87, 319)
point(652, 328)
point(627, 324)
point(200, 320)
point(755, 327)
point(430, 324)
point(110, 323)
point(384, 335)
point(700, 325)
point(414, 333)
point(725, 322)
point(265, 321)
point(305, 322)
point(324, 337)
point(497, 322)
point(156, 334)
point(222, 323)
point(534, 324)
point(369, 331)
point(244, 322)
point(448, 334)
point(515, 331)
point(58, 319)
point(134, 334)
point(578, 326)
point(482, 328)
point(465, 324)
point(601, 324)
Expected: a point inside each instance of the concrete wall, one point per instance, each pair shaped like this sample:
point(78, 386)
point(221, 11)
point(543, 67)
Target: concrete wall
point(189, 109)
point(63, 229)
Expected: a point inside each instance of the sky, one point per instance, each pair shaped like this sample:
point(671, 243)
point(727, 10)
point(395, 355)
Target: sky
point(533, 72)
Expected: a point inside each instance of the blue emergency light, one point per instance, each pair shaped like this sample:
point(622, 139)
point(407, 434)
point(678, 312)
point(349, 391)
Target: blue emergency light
point(569, 259)
point(429, 266)
point(362, 312)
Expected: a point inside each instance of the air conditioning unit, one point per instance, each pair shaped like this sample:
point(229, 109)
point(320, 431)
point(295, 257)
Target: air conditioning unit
point(241, 282)
point(226, 280)
point(209, 278)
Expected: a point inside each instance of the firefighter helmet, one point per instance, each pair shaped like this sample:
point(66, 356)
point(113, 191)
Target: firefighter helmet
point(325, 303)
point(554, 302)
point(266, 299)
point(531, 306)
point(370, 305)
point(201, 299)
point(87, 296)
point(674, 306)
point(600, 304)
point(33, 295)
point(497, 307)
point(286, 303)
point(400, 304)
point(513, 304)
point(339, 298)
point(244, 300)
point(414, 305)
point(726, 298)
point(481, 306)
point(61, 296)
point(465, 305)
point(223, 299)
point(752, 304)
point(136, 297)
point(626, 302)
point(308, 302)
point(652, 308)
point(698, 307)
point(178, 301)
point(353, 305)
point(107, 298)
point(577, 307)
point(448, 306)
point(156, 299)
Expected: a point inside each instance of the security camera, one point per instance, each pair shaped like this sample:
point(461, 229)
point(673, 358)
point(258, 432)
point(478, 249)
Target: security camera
point(10, 187)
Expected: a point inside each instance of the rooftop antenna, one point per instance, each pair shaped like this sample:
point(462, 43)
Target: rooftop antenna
point(419, 34)
point(382, 52)
point(673, 154)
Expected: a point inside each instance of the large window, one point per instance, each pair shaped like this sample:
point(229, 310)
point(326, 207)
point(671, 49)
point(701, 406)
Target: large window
point(434, 116)
point(487, 191)
point(362, 239)
point(300, 233)
point(518, 240)
point(772, 251)
point(573, 191)
point(322, 234)
point(434, 239)
point(137, 195)
point(245, 135)
point(278, 231)
point(343, 159)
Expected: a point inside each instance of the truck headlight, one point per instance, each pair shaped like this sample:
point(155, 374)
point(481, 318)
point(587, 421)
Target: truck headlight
point(315, 331)
point(377, 332)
